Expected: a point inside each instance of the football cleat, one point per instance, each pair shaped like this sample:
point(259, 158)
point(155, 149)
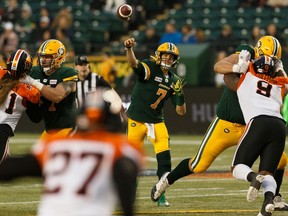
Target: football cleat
point(267, 208)
point(254, 187)
point(162, 201)
point(280, 204)
point(159, 188)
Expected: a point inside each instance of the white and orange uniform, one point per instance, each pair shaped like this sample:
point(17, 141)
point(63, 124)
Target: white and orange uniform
point(11, 111)
point(260, 98)
point(78, 173)
point(15, 104)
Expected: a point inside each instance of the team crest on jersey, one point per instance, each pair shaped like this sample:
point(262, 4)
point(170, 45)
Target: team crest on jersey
point(133, 124)
point(53, 82)
point(226, 130)
point(158, 79)
point(44, 80)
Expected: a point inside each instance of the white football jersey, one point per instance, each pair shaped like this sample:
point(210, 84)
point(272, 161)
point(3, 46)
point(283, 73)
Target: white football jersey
point(14, 105)
point(259, 97)
point(78, 175)
point(11, 110)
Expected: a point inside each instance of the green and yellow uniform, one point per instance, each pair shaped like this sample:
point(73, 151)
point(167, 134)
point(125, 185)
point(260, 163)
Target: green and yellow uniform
point(57, 116)
point(145, 113)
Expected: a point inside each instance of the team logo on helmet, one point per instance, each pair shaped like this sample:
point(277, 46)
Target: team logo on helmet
point(61, 51)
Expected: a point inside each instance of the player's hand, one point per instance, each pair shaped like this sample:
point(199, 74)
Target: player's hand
point(178, 86)
point(129, 43)
point(279, 66)
point(27, 79)
point(244, 56)
point(241, 67)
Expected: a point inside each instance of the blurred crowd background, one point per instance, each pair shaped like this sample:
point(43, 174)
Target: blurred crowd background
point(91, 27)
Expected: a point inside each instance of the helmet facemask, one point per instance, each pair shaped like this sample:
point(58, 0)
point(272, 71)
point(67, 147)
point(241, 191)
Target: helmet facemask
point(165, 65)
point(166, 48)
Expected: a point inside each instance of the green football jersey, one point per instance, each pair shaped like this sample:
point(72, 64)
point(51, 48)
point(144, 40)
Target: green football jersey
point(57, 115)
point(151, 90)
point(228, 107)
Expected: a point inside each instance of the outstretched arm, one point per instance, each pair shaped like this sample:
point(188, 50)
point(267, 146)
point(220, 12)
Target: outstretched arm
point(235, 63)
point(129, 44)
point(56, 94)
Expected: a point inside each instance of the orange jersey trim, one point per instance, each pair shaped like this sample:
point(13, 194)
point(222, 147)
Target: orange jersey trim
point(26, 91)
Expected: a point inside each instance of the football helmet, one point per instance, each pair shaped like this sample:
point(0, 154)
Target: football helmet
point(268, 45)
point(19, 63)
point(51, 54)
point(167, 48)
point(264, 65)
point(98, 111)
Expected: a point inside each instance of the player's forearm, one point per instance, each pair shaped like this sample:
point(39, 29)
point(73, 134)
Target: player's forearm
point(55, 95)
point(131, 58)
point(223, 67)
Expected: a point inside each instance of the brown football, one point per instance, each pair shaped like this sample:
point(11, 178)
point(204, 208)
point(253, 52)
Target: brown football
point(124, 12)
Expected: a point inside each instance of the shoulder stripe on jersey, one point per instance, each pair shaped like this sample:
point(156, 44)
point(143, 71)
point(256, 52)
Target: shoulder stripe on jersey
point(72, 78)
point(147, 71)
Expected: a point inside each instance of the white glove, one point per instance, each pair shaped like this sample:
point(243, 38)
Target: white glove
point(279, 66)
point(241, 67)
point(29, 80)
point(244, 55)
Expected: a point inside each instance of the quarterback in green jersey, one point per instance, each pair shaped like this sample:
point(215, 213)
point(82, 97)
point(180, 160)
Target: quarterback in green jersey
point(223, 132)
point(155, 84)
point(57, 84)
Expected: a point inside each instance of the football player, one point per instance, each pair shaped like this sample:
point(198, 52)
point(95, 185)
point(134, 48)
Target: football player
point(14, 95)
point(87, 173)
point(57, 84)
point(155, 83)
point(228, 125)
point(260, 94)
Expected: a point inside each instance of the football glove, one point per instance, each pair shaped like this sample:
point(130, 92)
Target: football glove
point(241, 67)
point(278, 65)
point(29, 80)
point(178, 86)
point(244, 56)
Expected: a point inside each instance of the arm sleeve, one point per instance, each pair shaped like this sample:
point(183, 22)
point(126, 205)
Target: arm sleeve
point(125, 176)
point(15, 167)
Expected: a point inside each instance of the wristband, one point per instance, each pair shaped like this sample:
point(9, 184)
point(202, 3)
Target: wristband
point(180, 100)
point(38, 85)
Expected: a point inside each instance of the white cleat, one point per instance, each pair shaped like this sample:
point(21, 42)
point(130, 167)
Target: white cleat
point(254, 187)
point(160, 187)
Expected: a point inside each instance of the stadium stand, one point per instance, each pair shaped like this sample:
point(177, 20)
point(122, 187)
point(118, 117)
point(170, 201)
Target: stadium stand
point(95, 29)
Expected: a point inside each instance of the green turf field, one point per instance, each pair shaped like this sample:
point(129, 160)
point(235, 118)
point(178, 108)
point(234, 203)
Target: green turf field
point(197, 195)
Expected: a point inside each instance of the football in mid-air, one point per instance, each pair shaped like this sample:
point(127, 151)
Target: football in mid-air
point(124, 12)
